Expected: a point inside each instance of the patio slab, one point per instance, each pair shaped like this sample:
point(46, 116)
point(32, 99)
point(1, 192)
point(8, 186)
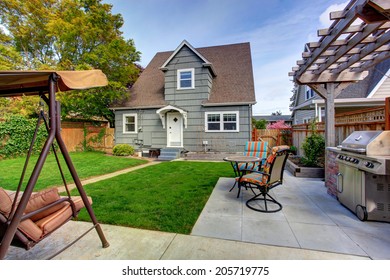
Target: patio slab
point(310, 219)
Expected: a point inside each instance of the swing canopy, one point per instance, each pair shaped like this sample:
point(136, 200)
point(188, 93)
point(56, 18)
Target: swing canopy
point(17, 83)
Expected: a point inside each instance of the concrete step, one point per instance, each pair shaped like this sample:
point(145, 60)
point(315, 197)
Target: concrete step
point(168, 154)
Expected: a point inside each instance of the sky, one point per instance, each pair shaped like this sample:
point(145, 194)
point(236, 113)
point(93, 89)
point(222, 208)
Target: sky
point(277, 31)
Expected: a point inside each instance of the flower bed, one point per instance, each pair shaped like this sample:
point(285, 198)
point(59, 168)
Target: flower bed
point(298, 170)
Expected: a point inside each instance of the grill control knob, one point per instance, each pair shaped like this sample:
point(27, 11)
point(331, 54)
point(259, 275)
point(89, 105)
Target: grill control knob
point(355, 160)
point(369, 164)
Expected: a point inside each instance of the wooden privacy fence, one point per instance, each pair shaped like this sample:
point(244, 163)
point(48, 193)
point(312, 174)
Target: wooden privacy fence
point(274, 137)
point(345, 124)
point(81, 136)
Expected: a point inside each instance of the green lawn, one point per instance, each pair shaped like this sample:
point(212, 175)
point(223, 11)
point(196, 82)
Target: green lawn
point(166, 197)
point(87, 164)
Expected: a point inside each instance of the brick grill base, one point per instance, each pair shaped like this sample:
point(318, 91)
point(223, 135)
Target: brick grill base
point(331, 170)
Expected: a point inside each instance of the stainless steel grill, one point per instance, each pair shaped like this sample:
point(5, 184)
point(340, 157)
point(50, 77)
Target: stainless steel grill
point(363, 181)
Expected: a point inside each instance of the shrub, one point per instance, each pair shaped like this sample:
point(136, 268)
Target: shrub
point(314, 150)
point(123, 150)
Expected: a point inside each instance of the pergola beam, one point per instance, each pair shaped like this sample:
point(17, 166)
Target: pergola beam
point(350, 17)
point(359, 37)
point(365, 52)
point(329, 77)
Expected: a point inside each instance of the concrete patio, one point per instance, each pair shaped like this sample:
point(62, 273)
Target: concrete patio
point(312, 225)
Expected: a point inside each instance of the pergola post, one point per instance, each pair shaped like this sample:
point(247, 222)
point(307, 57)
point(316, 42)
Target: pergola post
point(330, 131)
point(329, 92)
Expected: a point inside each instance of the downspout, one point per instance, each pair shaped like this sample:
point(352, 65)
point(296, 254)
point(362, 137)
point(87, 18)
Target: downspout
point(250, 122)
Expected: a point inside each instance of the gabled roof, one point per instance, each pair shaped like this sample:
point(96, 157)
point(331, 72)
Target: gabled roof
point(206, 63)
point(233, 85)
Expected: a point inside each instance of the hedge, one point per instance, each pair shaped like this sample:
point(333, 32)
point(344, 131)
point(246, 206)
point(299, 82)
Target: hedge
point(16, 133)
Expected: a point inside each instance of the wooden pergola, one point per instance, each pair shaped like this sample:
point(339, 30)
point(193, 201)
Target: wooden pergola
point(358, 39)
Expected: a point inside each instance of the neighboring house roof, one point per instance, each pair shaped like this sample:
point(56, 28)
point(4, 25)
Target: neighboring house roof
point(273, 118)
point(233, 83)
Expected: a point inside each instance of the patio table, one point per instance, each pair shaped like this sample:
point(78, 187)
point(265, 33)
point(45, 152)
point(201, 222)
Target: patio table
point(235, 161)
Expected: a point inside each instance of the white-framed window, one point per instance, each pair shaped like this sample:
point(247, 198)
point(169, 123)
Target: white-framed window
point(222, 122)
point(309, 93)
point(130, 123)
point(186, 78)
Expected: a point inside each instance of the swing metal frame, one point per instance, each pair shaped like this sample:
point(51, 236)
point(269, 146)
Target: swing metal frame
point(54, 82)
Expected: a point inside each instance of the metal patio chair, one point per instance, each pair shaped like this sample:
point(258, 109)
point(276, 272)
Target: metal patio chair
point(252, 149)
point(268, 178)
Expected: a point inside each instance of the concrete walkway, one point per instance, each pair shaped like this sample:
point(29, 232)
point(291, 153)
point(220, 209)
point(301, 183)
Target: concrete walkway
point(109, 175)
point(137, 244)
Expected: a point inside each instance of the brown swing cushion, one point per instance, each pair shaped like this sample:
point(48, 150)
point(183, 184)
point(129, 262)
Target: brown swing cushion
point(47, 221)
point(41, 199)
point(27, 227)
point(5, 203)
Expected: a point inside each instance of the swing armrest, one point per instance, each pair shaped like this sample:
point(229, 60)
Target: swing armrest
point(50, 207)
point(46, 199)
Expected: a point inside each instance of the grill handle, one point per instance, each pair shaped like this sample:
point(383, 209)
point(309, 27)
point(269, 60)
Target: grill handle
point(339, 182)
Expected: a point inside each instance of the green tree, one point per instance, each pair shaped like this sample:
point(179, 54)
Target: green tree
point(277, 113)
point(9, 57)
point(73, 35)
point(259, 124)
point(26, 106)
point(92, 103)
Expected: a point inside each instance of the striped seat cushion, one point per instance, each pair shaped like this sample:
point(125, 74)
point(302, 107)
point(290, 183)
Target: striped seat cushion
point(254, 178)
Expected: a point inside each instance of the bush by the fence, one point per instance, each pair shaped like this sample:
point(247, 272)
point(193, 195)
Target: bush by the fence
point(16, 133)
point(314, 150)
point(123, 150)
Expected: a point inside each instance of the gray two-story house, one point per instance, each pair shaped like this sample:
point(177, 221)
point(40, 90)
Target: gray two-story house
point(194, 99)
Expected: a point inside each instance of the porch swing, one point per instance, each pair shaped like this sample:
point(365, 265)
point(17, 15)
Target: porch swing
point(27, 217)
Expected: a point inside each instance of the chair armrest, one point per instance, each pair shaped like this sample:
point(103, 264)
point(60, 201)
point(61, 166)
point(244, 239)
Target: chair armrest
point(255, 171)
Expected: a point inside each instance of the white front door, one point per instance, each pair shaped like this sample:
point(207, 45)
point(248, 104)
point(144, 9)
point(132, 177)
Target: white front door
point(174, 129)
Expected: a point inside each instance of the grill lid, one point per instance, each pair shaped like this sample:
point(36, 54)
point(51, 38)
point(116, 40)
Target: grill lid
point(368, 142)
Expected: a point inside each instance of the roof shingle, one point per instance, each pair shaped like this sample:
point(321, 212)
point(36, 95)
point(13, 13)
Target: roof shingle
point(233, 83)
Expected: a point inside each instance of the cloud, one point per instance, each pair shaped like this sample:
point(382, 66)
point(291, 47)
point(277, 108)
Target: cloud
point(324, 17)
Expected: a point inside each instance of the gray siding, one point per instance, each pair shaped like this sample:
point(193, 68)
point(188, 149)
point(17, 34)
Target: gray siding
point(300, 115)
point(186, 59)
point(150, 129)
point(152, 133)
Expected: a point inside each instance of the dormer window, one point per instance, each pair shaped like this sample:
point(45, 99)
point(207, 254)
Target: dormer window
point(185, 79)
point(309, 94)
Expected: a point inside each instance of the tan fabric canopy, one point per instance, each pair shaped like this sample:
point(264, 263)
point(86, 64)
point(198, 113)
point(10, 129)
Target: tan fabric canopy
point(16, 83)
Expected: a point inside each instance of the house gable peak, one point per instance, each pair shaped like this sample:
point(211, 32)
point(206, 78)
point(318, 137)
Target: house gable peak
point(205, 63)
